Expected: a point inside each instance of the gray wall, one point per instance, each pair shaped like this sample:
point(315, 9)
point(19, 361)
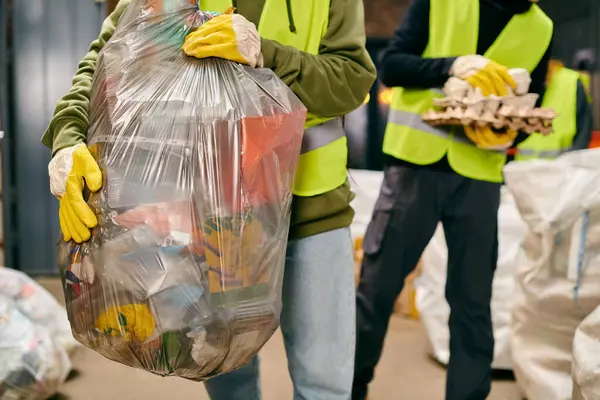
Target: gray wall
point(49, 38)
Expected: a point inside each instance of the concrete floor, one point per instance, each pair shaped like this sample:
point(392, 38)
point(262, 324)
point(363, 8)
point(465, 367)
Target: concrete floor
point(405, 372)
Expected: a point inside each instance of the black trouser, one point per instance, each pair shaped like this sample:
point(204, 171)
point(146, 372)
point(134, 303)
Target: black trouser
point(411, 203)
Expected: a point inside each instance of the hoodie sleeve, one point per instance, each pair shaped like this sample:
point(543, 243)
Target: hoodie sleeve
point(402, 63)
point(70, 122)
point(338, 79)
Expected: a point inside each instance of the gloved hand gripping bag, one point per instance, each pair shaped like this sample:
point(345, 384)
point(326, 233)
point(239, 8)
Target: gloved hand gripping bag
point(183, 274)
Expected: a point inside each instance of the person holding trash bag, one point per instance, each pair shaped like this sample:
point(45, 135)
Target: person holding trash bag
point(434, 175)
point(318, 49)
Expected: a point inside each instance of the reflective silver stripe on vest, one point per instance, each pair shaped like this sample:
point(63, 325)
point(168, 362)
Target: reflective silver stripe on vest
point(414, 120)
point(322, 135)
point(540, 154)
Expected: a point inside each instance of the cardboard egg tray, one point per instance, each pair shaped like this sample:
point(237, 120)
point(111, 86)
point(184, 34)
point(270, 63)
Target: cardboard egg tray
point(511, 112)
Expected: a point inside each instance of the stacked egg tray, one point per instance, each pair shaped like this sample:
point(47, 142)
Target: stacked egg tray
point(500, 113)
point(467, 106)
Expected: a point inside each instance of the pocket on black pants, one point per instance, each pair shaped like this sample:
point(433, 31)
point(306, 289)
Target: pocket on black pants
point(376, 232)
point(388, 197)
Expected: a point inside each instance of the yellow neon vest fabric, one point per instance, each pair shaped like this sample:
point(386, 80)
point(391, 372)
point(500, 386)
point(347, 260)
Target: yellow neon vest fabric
point(323, 169)
point(586, 80)
point(561, 95)
point(454, 31)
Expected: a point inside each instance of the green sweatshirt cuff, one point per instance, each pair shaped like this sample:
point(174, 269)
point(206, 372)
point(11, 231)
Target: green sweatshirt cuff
point(70, 134)
point(270, 48)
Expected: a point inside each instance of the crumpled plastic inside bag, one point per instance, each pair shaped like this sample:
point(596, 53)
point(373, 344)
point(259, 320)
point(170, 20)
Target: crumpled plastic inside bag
point(32, 364)
point(183, 274)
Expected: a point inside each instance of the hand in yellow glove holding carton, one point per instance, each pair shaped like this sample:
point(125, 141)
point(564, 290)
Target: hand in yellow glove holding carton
point(229, 36)
point(492, 79)
point(480, 72)
point(70, 170)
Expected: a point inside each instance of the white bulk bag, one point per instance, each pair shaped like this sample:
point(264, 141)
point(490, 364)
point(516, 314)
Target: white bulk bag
point(431, 302)
point(365, 185)
point(558, 271)
point(586, 363)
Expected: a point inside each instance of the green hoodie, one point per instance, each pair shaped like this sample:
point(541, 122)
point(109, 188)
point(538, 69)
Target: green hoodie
point(330, 84)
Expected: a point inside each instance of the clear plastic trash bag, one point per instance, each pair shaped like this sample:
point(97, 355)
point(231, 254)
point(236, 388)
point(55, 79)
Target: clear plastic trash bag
point(32, 364)
point(183, 274)
point(37, 304)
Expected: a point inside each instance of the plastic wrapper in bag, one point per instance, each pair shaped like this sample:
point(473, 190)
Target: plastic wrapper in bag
point(558, 269)
point(37, 304)
point(586, 363)
point(183, 274)
point(431, 300)
point(32, 364)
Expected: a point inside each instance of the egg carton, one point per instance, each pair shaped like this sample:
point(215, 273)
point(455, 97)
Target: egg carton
point(491, 112)
point(465, 105)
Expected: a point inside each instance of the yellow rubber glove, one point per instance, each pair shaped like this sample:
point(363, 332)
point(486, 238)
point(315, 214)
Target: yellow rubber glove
point(487, 139)
point(70, 169)
point(490, 77)
point(228, 36)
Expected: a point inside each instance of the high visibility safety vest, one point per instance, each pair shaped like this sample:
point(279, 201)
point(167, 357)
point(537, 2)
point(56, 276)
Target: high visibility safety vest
point(454, 31)
point(324, 155)
point(586, 80)
point(561, 95)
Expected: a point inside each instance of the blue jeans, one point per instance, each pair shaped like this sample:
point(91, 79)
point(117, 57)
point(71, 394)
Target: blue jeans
point(317, 321)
